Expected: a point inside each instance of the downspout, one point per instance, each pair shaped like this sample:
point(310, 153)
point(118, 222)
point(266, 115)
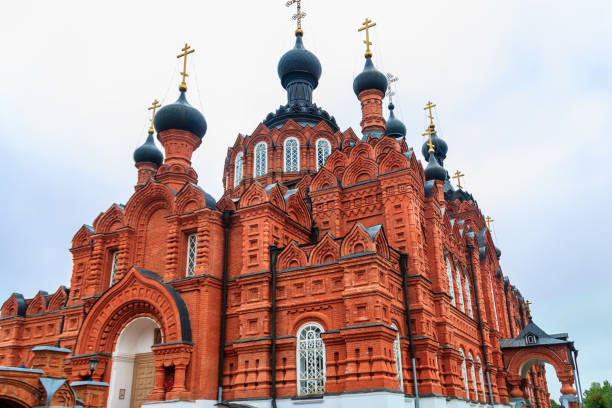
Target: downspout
point(482, 341)
point(404, 271)
point(577, 379)
point(226, 223)
point(273, 256)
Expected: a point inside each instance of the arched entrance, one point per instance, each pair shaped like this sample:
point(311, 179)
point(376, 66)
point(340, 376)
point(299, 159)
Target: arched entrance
point(535, 347)
point(119, 330)
point(7, 403)
point(133, 369)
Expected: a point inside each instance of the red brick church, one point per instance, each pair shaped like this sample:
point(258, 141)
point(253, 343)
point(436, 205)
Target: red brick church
point(336, 269)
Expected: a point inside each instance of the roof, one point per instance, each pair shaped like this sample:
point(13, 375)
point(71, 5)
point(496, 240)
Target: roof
point(542, 338)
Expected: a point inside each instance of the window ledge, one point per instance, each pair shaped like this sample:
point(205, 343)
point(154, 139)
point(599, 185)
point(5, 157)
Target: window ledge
point(308, 399)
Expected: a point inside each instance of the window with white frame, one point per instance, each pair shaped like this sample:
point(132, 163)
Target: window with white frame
point(192, 254)
point(113, 270)
point(473, 375)
point(260, 164)
point(323, 152)
point(292, 154)
point(451, 288)
point(311, 360)
point(482, 384)
point(493, 300)
point(238, 168)
point(468, 294)
point(397, 353)
point(459, 287)
point(464, 374)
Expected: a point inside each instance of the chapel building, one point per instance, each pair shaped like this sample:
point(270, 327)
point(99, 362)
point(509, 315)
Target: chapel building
point(335, 270)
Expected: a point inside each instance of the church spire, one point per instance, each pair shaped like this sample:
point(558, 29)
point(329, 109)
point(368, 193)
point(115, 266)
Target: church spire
point(370, 86)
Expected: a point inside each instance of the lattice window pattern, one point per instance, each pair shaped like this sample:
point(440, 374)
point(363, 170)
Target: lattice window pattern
point(192, 254)
point(323, 152)
point(459, 288)
point(464, 374)
point(473, 375)
point(451, 288)
point(238, 168)
point(261, 159)
point(468, 295)
point(311, 360)
point(397, 353)
point(114, 267)
point(292, 154)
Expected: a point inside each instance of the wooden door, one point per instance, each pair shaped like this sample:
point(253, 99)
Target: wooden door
point(143, 379)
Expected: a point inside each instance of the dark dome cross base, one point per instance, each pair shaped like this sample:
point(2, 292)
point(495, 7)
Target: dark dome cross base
point(304, 115)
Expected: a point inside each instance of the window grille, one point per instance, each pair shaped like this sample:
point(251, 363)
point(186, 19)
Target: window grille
point(493, 300)
point(311, 360)
point(238, 169)
point(464, 374)
point(192, 254)
point(468, 295)
point(451, 288)
point(473, 375)
point(292, 154)
point(459, 288)
point(323, 152)
point(261, 159)
point(397, 353)
point(114, 267)
point(482, 384)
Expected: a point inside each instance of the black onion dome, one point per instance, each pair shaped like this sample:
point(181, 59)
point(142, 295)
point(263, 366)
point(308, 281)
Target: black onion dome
point(497, 252)
point(369, 78)
point(148, 152)
point(299, 63)
point(440, 146)
point(434, 171)
point(394, 128)
point(182, 116)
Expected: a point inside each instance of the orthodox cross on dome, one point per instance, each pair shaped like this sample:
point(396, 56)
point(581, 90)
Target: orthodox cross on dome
point(390, 80)
point(458, 176)
point(367, 24)
point(527, 305)
point(298, 16)
point(186, 51)
point(489, 220)
point(153, 107)
point(429, 107)
point(429, 132)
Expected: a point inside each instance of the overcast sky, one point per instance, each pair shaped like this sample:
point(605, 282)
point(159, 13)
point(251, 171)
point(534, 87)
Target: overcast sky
point(523, 90)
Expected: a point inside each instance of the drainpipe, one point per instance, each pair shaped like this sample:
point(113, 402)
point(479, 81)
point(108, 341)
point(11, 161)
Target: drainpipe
point(577, 379)
point(273, 256)
point(226, 223)
point(484, 348)
point(404, 270)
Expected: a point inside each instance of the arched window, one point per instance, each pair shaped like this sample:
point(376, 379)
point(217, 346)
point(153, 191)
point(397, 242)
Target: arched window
point(323, 152)
point(113, 270)
point(292, 154)
point(451, 288)
point(464, 374)
point(260, 164)
point(397, 353)
point(468, 295)
point(192, 254)
point(311, 360)
point(238, 169)
point(459, 287)
point(493, 300)
point(473, 376)
point(482, 384)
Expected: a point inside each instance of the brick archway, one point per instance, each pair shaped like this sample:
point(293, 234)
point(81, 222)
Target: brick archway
point(20, 394)
point(140, 293)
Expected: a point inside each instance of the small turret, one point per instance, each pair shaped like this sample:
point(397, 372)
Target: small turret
point(395, 128)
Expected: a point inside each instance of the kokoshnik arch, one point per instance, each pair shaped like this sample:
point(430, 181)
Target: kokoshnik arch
point(335, 268)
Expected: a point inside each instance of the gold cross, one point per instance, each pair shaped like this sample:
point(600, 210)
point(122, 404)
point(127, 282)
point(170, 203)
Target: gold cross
point(458, 176)
point(186, 51)
point(366, 26)
point(428, 132)
point(429, 107)
point(297, 16)
point(153, 107)
point(489, 220)
point(527, 304)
